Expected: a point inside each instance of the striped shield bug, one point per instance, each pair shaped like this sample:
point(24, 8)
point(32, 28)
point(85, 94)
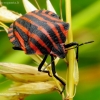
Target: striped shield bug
point(41, 32)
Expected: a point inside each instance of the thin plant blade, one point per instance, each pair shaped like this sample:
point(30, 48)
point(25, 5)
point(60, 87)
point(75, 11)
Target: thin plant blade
point(28, 6)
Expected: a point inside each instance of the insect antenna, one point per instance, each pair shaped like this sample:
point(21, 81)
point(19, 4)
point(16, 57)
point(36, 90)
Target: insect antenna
point(85, 43)
point(80, 45)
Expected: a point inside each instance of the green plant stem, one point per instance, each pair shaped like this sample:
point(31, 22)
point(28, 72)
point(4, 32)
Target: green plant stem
point(71, 56)
point(37, 4)
point(4, 26)
point(61, 10)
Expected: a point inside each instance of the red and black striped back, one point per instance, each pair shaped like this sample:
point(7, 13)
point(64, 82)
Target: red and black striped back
point(39, 32)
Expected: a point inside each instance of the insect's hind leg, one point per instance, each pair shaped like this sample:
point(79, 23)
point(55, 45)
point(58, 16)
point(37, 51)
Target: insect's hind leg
point(54, 73)
point(73, 44)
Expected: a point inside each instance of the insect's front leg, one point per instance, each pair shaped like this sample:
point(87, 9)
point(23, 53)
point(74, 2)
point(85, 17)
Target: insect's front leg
point(73, 44)
point(41, 65)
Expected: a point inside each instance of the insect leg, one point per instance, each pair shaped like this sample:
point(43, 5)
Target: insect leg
point(54, 72)
point(73, 44)
point(41, 65)
point(17, 48)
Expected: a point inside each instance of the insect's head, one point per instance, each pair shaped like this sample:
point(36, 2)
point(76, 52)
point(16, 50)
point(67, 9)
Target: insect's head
point(59, 52)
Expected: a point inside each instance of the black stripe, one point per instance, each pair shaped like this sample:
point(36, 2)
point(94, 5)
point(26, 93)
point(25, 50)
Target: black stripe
point(39, 46)
point(52, 15)
point(20, 31)
point(47, 13)
point(10, 31)
point(62, 36)
point(45, 26)
point(34, 30)
point(16, 43)
point(39, 13)
point(24, 37)
point(29, 50)
point(10, 37)
point(55, 16)
point(46, 18)
point(41, 35)
point(66, 25)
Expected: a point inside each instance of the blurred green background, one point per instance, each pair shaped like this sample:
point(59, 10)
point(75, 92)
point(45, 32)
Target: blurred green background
point(86, 26)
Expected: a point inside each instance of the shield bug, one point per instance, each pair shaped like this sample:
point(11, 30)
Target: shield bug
point(41, 32)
